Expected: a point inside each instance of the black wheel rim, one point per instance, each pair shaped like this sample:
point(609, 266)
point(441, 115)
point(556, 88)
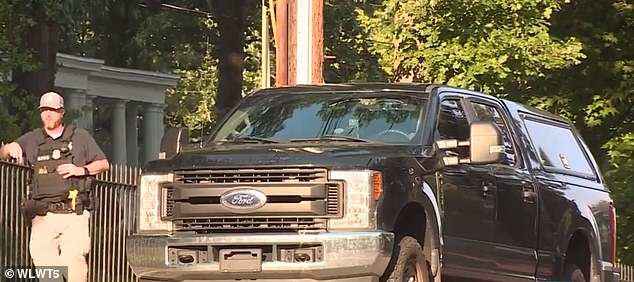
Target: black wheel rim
point(413, 271)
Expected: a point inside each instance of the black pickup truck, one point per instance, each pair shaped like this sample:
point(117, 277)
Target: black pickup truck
point(376, 182)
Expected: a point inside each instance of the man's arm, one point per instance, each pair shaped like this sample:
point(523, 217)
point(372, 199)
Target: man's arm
point(97, 166)
point(4, 151)
point(16, 149)
point(11, 150)
point(94, 168)
point(96, 159)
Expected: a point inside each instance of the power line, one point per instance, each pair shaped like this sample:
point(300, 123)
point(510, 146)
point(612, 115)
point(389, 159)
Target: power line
point(177, 8)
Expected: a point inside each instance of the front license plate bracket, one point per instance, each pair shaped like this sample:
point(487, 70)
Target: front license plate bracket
point(240, 260)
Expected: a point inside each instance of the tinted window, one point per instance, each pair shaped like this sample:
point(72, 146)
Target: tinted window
point(489, 113)
point(453, 124)
point(382, 116)
point(452, 121)
point(557, 147)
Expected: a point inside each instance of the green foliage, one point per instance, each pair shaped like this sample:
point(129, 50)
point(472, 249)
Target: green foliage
point(169, 40)
point(10, 58)
point(190, 104)
point(17, 113)
point(498, 47)
point(572, 59)
point(347, 40)
point(158, 38)
point(598, 95)
point(621, 183)
point(252, 74)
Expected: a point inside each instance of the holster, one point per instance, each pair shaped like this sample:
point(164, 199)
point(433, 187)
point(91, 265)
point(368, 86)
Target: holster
point(32, 208)
point(79, 208)
point(85, 198)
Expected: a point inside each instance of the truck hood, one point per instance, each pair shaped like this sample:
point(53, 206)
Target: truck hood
point(337, 155)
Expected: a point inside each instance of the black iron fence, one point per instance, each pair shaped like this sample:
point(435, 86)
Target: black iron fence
point(111, 222)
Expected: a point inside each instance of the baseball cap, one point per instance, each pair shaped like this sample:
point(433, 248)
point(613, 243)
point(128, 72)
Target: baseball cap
point(51, 100)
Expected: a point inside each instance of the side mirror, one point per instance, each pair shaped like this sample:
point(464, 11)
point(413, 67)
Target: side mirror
point(173, 142)
point(486, 143)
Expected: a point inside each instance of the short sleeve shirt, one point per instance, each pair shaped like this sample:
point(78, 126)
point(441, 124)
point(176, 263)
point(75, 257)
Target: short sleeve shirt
point(84, 149)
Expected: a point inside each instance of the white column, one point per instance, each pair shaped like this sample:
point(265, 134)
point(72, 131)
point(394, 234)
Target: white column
point(153, 130)
point(88, 111)
point(119, 152)
point(131, 129)
point(73, 105)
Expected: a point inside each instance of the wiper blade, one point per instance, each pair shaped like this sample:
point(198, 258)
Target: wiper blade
point(329, 137)
point(253, 139)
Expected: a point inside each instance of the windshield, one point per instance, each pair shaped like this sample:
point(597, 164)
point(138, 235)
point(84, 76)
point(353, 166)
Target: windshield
point(389, 117)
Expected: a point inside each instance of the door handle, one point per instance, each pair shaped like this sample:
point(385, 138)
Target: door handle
point(528, 194)
point(487, 189)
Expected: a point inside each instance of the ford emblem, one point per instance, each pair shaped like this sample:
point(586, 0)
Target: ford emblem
point(243, 199)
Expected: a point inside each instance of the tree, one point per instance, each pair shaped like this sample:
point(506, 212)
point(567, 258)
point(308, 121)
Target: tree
point(192, 103)
point(129, 34)
point(572, 59)
point(598, 95)
point(149, 36)
point(12, 57)
point(620, 181)
point(499, 47)
point(231, 17)
point(41, 41)
point(174, 37)
point(28, 49)
point(347, 41)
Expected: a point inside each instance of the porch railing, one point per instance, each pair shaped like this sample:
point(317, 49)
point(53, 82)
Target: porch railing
point(627, 272)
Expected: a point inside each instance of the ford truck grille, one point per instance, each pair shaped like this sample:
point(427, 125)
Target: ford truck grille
point(296, 199)
point(251, 175)
point(209, 225)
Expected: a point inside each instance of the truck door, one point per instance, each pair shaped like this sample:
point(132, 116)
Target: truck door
point(468, 209)
point(516, 203)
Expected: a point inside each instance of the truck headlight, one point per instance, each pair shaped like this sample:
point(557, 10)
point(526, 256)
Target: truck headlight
point(149, 204)
point(360, 196)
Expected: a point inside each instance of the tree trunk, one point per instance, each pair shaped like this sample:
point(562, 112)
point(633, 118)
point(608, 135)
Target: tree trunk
point(231, 18)
point(121, 24)
point(42, 42)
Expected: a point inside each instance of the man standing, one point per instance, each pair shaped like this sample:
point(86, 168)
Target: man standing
point(65, 160)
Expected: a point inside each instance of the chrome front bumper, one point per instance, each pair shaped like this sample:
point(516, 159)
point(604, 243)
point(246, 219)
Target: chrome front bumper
point(351, 256)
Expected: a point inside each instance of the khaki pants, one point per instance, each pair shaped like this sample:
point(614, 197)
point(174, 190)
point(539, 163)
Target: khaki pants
point(61, 240)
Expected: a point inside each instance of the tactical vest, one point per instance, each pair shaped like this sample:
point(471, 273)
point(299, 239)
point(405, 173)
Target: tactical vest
point(47, 184)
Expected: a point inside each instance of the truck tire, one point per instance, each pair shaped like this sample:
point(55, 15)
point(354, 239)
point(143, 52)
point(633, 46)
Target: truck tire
point(409, 265)
point(573, 273)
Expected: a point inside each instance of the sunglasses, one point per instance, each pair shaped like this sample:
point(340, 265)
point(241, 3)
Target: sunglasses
point(45, 109)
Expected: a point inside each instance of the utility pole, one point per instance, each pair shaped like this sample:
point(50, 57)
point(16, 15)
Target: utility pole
point(317, 49)
point(281, 44)
point(264, 56)
point(299, 42)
